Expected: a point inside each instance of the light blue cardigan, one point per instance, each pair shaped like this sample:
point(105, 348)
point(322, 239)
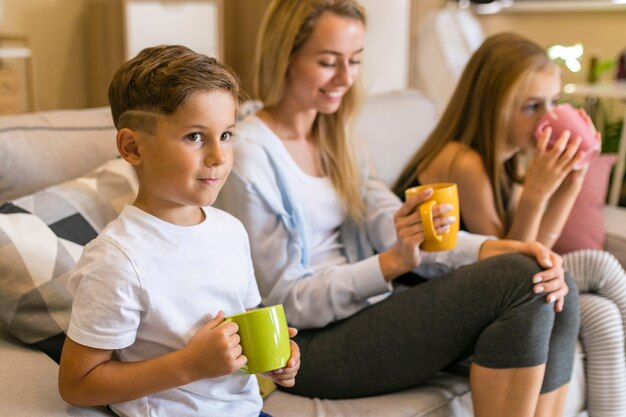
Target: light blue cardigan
point(257, 193)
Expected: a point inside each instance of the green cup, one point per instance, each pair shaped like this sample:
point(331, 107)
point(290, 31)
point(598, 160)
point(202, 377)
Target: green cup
point(264, 338)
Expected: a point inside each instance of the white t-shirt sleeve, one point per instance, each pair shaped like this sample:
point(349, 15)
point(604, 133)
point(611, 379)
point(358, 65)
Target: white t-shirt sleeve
point(107, 298)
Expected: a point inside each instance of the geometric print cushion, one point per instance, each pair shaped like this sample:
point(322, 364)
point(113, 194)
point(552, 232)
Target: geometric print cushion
point(42, 236)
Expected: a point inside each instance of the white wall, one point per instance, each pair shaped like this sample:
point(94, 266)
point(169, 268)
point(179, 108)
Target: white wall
point(386, 58)
point(58, 38)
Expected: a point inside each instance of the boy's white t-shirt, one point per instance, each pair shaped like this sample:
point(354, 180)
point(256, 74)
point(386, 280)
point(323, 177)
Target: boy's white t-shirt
point(144, 287)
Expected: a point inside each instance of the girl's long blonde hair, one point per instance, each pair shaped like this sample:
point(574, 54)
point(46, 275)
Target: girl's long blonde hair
point(285, 28)
point(481, 110)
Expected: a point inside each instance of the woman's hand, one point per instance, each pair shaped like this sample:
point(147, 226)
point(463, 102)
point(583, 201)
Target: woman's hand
point(287, 376)
point(550, 281)
point(405, 255)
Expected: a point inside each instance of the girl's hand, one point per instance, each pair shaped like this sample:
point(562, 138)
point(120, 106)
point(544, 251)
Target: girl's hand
point(573, 181)
point(287, 376)
point(405, 255)
point(576, 177)
point(587, 119)
point(549, 167)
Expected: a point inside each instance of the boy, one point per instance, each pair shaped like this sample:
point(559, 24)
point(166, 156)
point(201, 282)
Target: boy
point(147, 334)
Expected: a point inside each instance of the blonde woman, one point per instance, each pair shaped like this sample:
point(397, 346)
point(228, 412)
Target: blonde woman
point(328, 240)
point(513, 186)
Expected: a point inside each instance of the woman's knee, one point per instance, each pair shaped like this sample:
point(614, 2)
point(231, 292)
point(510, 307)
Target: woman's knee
point(515, 274)
point(517, 262)
point(572, 299)
point(570, 315)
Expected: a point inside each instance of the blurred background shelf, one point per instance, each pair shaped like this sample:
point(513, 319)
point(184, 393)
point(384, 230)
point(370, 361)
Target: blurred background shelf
point(119, 29)
point(615, 90)
point(16, 75)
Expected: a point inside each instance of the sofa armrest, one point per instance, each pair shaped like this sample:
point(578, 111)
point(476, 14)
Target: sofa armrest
point(615, 227)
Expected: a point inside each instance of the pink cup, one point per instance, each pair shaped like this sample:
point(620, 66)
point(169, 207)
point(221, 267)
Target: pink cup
point(565, 117)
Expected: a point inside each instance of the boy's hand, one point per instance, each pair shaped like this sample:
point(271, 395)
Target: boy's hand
point(214, 350)
point(287, 376)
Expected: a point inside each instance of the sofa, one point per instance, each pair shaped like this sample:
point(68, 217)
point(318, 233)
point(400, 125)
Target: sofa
point(47, 159)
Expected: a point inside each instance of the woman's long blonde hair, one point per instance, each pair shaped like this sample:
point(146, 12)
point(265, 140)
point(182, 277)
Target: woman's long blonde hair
point(481, 110)
point(286, 27)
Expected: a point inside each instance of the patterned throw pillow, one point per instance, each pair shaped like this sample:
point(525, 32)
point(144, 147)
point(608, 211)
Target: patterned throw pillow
point(42, 236)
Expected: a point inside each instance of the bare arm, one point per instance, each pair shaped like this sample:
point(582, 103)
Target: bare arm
point(478, 206)
point(550, 190)
point(89, 376)
point(531, 208)
point(528, 214)
point(543, 204)
point(559, 208)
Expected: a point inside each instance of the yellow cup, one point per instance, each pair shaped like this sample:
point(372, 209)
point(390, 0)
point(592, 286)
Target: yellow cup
point(443, 193)
point(264, 338)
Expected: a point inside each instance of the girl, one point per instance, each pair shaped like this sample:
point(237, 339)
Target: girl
point(482, 143)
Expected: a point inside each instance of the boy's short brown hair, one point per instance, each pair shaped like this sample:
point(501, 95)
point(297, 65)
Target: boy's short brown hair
point(159, 80)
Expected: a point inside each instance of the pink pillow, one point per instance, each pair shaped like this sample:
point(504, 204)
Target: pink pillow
point(584, 228)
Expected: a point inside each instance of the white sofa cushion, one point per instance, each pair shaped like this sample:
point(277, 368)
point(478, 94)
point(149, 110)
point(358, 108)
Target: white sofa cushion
point(394, 126)
point(443, 396)
point(615, 229)
point(45, 148)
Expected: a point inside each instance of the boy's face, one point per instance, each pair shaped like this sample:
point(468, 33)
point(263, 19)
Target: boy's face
point(186, 162)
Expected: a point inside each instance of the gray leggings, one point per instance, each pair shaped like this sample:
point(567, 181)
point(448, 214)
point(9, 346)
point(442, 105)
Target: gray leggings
point(486, 309)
